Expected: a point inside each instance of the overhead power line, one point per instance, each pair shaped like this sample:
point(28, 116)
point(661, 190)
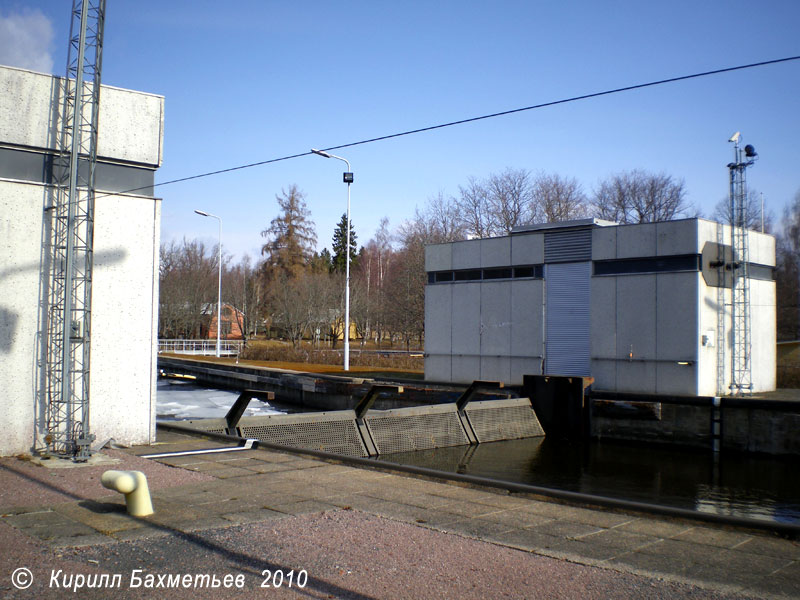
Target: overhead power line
point(619, 90)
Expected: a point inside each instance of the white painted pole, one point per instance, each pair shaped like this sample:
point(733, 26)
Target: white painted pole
point(347, 288)
point(347, 262)
point(219, 281)
point(219, 286)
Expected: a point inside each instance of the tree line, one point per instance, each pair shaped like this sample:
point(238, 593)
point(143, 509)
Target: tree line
point(295, 292)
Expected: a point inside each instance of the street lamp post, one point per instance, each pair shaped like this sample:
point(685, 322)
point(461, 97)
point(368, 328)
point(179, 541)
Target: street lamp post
point(347, 177)
point(219, 282)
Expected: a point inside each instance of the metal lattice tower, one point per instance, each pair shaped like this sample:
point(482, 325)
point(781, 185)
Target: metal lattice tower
point(721, 312)
point(68, 326)
point(741, 365)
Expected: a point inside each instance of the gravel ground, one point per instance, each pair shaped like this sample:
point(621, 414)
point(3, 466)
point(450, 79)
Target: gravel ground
point(346, 554)
point(36, 485)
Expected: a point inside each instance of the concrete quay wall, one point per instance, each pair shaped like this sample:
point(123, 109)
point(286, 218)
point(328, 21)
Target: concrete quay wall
point(303, 389)
point(745, 425)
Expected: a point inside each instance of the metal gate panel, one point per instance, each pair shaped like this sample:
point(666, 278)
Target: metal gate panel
point(209, 425)
point(568, 321)
point(416, 428)
point(334, 432)
point(511, 419)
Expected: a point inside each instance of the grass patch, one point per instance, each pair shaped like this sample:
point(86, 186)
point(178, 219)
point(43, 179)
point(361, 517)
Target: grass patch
point(273, 351)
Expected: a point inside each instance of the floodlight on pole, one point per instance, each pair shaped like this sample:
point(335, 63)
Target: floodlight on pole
point(347, 177)
point(219, 282)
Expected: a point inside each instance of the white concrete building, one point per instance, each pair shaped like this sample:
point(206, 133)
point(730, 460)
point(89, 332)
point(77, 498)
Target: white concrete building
point(637, 307)
point(126, 245)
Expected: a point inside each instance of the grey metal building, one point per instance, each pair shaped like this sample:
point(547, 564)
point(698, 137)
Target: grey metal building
point(641, 308)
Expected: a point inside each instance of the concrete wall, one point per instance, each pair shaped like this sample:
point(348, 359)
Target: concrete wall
point(763, 318)
point(125, 319)
point(644, 325)
point(438, 332)
point(20, 246)
point(125, 284)
point(130, 127)
point(468, 325)
point(763, 304)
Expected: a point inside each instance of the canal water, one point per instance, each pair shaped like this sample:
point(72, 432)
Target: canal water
point(752, 486)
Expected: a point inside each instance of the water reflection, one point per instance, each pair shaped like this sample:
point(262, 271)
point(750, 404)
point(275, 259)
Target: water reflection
point(760, 487)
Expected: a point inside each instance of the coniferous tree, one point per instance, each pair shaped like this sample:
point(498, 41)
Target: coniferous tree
point(322, 262)
point(339, 258)
point(291, 236)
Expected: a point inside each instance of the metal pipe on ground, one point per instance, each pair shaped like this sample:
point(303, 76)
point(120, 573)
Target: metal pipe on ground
point(133, 485)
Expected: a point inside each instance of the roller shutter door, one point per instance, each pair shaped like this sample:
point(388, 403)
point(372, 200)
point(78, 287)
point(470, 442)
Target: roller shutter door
point(568, 322)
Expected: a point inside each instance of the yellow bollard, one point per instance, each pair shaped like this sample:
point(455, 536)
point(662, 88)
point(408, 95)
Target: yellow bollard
point(134, 485)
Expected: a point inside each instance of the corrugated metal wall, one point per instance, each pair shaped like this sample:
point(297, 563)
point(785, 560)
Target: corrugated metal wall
point(568, 246)
point(568, 321)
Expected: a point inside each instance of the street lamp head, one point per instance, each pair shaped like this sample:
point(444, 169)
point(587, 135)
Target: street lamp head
point(321, 153)
point(201, 213)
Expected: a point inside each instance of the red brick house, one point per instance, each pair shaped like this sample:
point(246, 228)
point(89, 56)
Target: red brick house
point(232, 322)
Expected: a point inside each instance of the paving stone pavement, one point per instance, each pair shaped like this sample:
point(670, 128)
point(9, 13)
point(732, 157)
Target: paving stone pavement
point(262, 486)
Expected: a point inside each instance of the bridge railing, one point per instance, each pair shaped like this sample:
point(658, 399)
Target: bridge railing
point(201, 347)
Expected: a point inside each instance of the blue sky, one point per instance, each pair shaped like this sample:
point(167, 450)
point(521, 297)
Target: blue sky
point(268, 79)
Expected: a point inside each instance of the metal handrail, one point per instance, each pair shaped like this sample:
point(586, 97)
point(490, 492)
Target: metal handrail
point(201, 347)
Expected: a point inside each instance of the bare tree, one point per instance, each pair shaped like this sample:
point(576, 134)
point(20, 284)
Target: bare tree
point(509, 196)
point(405, 287)
point(640, 197)
point(323, 295)
point(310, 304)
point(430, 226)
point(406, 293)
point(787, 290)
point(187, 283)
point(361, 316)
point(559, 198)
point(722, 213)
point(443, 215)
point(287, 312)
point(472, 206)
point(367, 304)
point(242, 288)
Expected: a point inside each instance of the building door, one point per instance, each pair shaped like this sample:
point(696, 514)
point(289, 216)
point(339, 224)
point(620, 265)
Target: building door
point(567, 318)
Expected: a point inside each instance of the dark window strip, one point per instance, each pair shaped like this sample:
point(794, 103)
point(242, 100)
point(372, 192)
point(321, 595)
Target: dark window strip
point(521, 272)
point(38, 168)
point(497, 273)
point(682, 263)
point(529, 271)
point(653, 264)
point(472, 275)
point(443, 276)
